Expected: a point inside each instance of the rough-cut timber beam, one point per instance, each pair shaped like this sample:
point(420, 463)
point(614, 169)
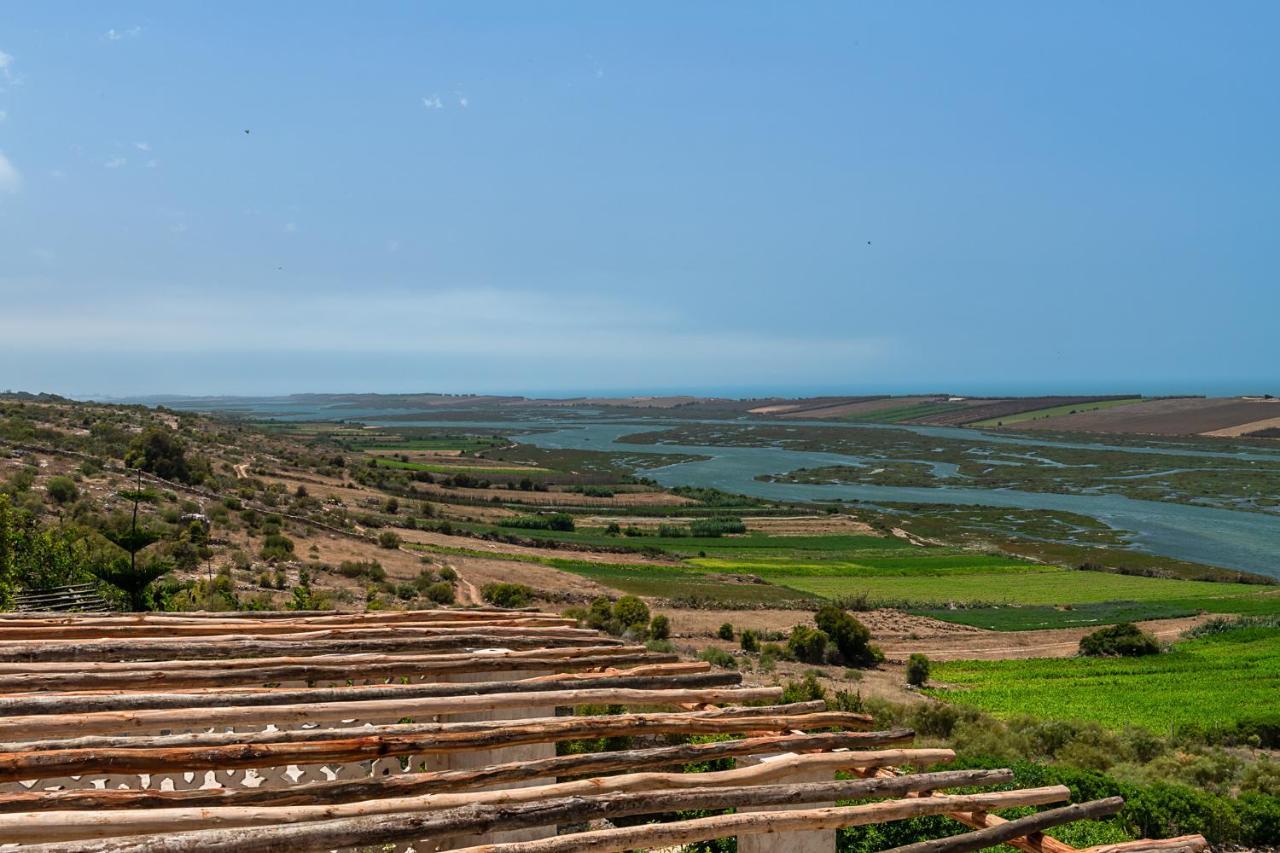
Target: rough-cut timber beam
point(812, 714)
point(1020, 828)
point(55, 725)
point(308, 746)
point(387, 667)
point(410, 784)
point(43, 826)
point(1181, 844)
point(352, 832)
point(201, 648)
point(63, 704)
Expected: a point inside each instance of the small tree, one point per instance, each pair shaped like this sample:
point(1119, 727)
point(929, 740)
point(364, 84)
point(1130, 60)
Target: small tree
point(750, 641)
point(850, 636)
point(917, 669)
point(389, 540)
point(659, 627)
point(726, 632)
point(130, 578)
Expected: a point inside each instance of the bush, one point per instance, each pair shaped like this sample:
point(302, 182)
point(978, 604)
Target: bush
point(850, 636)
point(726, 632)
point(553, 521)
point(63, 490)
point(750, 641)
point(388, 540)
point(630, 612)
point(806, 690)
point(659, 627)
point(512, 595)
point(369, 569)
point(440, 593)
point(276, 546)
point(448, 574)
point(917, 669)
point(1122, 640)
point(807, 645)
point(718, 657)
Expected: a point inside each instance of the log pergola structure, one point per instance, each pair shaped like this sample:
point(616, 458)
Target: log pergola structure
point(439, 730)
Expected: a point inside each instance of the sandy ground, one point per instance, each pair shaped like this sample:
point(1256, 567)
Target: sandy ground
point(1244, 429)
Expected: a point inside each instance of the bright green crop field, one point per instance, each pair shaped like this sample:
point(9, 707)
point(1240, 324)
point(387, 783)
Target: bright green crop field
point(1214, 681)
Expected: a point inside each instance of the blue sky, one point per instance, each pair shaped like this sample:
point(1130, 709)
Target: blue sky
point(715, 197)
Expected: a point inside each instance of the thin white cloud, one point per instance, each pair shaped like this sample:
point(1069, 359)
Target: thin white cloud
point(115, 162)
point(178, 228)
point(433, 103)
point(151, 164)
point(10, 177)
point(291, 228)
point(120, 35)
point(142, 146)
point(3, 115)
point(57, 174)
point(393, 246)
point(7, 76)
point(463, 101)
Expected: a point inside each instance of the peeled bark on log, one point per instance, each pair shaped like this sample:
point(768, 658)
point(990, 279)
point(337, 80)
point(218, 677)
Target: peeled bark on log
point(18, 727)
point(351, 832)
point(391, 667)
point(41, 826)
point(1181, 844)
point(1019, 828)
point(811, 714)
point(91, 704)
point(310, 746)
point(410, 784)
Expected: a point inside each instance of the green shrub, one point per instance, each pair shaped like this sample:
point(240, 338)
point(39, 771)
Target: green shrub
point(448, 574)
point(63, 490)
point(440, 593)
point(512, 595)
point(367, 569)
point(726, 632)
point(750, 641)
point(807, 645)
point(718, 657)
point(806, 689)
point(389, 540)
point(629, 612)
point(551, 521)
point(276, 546)
point(850, 636)
point(659, 627)
point(917, 669)
point(1122, 640)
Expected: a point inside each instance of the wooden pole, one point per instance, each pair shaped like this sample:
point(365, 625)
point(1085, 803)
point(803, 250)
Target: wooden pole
point(54, 725)
point(409, 784)
point(278, 749)
point(1019, 828)
point(62, 704)
point(363, 832)
point(44, 826)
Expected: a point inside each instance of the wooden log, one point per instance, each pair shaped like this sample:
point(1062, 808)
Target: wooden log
point(60, 763)
point(296, 644)
point(812, 714)
point(1181, 844)
point(1019, 828)
point(60, 704)
point(243, 628)
point(365, 832)
point(390, 666)
point(41, 826)
point(94, 667)
point(104, 722)
point(206, 621)
point(410, 784)
point(986, 820)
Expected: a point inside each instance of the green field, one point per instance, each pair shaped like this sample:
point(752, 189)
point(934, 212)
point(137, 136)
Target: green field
point(1053, 411)
point(465, 467)
point(1037, 617)
point(1182, 687)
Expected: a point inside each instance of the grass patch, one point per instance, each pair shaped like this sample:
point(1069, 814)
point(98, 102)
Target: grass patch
point(1054, 411)
point(1184, 687)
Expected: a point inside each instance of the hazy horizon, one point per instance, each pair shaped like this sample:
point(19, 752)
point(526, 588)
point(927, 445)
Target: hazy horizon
point(834, 198)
